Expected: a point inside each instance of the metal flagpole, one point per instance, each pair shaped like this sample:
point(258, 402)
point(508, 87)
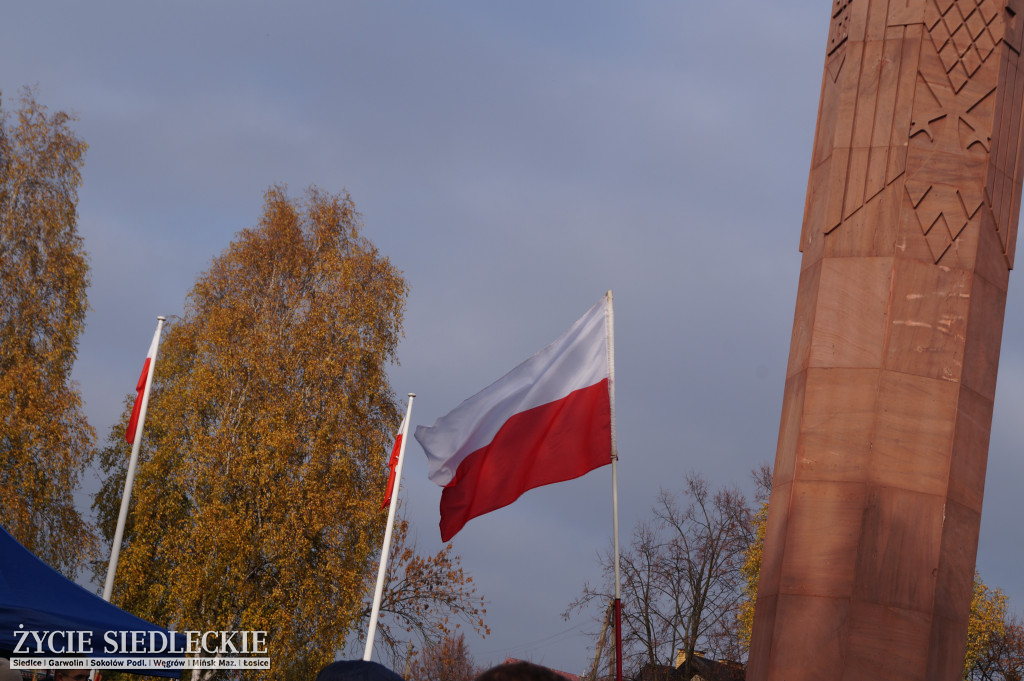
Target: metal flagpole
point(610, 323)
point(392, 506)
point(115, 550)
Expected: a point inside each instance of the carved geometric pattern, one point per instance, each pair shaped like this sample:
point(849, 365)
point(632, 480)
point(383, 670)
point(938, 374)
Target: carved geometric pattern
point(865, 125)
point(968, 129)
point(840, 28)
point(965, 34)
point(942, 213)
point(835, 64)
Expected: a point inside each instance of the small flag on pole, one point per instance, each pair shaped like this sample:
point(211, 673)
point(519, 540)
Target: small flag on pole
point(546, 421)
point(132, 435)
point(393, 465)
point(140, 388)
point(394, 481)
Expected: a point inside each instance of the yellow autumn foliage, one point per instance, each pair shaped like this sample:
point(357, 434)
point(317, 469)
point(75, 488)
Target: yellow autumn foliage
point(257, 497)
point(751, 571)
point(987, 622)
point(45, 441)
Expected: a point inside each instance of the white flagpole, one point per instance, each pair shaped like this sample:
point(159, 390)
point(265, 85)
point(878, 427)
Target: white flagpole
point(115, 550)
point(610, 322)
point(392, 506)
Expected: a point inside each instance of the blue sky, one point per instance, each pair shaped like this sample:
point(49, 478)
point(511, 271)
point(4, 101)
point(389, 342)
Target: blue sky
point(514, 160)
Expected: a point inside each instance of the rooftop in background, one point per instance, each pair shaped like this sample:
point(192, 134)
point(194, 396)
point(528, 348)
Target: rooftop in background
point(703, 668)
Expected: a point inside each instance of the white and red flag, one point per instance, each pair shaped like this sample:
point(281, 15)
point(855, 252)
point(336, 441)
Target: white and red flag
point(393, 466)
point(140, 389)
point(391, 503)
point(135, 423)
point(546, 421)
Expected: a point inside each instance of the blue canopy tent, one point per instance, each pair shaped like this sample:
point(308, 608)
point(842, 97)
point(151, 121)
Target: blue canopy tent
point(35, 595)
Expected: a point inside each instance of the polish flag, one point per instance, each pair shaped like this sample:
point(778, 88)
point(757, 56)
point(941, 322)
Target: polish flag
point(546, 421)
point(393, 466)
point(140, 388)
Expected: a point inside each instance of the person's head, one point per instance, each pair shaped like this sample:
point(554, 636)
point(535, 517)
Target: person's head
point(356, 670)
point(519, 671)
point(71, 675)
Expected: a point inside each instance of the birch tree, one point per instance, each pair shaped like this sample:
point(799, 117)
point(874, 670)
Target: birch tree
point(45, 441)
point(256, 503)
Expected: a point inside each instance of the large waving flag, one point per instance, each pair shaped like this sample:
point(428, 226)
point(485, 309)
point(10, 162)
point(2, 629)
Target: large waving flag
point(546, 421)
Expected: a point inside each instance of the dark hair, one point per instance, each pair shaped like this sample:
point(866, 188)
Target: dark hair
point(519, 671)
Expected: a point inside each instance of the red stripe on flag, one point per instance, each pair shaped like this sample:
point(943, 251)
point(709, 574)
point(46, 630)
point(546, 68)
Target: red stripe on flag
point(140, 388)
point(551, 443)
point(392, 464)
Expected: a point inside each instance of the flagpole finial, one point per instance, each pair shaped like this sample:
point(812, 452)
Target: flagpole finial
point(412, 394)
point(161, 319)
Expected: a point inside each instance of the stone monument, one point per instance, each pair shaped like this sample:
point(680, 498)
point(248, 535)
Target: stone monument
point(907, 241)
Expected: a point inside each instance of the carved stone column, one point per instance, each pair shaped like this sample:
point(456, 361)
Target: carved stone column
point(907, 241)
